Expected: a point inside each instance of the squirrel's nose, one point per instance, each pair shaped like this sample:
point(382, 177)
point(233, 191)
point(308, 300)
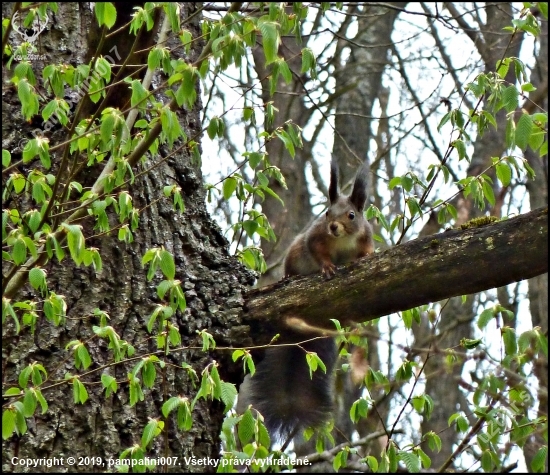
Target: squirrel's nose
point(334, 227)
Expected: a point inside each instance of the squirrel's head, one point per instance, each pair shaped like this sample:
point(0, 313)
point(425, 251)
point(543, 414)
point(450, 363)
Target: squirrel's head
point(345, 213)
point(343, 217)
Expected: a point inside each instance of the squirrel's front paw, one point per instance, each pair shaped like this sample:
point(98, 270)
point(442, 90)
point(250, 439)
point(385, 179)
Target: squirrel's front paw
point(328, 270)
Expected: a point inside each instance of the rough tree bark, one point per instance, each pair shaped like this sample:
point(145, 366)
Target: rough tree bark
point(213, 283)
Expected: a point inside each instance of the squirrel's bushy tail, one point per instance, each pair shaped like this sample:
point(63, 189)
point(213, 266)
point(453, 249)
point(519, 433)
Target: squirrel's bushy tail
point(283, 391)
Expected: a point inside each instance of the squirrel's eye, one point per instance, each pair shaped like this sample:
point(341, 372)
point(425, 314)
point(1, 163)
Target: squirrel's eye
point(351, 215)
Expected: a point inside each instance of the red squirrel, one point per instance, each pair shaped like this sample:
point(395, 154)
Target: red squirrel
point(340, 236)
point(282, 389)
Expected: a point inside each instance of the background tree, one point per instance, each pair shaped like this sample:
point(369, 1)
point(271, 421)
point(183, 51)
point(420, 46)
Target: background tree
point(117, 284)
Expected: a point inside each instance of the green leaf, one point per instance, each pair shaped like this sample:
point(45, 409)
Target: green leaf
point(250, 226)
point(502, 67)
point(462, 423)
point(308, 62)
point(207, 340)
point(20, 423)
point(504, 173)
point(340, 460)
point(528, 87)
point(83, 356)
point(139, 94)
point(215, 377)
point(485, 317)
point(254, 159)
point(136, 393)
point(510, 98)
point(186, 93)
point(359, 409)
point(285, 138)
point(80, 395)
point(212, 129)
point(414, 206)
point(488, 192)
point(407, 183)
point(30, 150)
point(163, 287)
point(34, 220)
point(151, 430)
point(28, 98)
point(538, 461)
point(392, 458)
point(536, 140)
point(24, 376)
point(29, 404)
point(510, 342)
point(75, 241)
point(167, 265)
point(49, 110)
point(404, 372)
point(246, 427)
point(434, 441)
point(543, 6)
point(19, 251)
point(461, 149)
point(13, 392)
point(487, 462)
point(8, 423)
point(19, 183)
point(411, 461)
point(154, 58)
point(395, 181)
point(523, 131)
point(37, 278)
point(107, 127)
point(105, 13)
point(173, 11)
point(284, 70)
point(170, 125)
point(184, 417)
point(149, 374)
point(170, 405)
point(444, 120)
point(41, 400)
point(109, 383)
point(270, 39)
point(510, 132)
point(229, 186)
point(470, 344)
point(228, 394)
point(6, 158)
point(36, 375)
point(314, 362)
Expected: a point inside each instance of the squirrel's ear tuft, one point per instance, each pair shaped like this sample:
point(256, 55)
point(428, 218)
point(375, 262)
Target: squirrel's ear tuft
point(358, 196)
point(333, 187)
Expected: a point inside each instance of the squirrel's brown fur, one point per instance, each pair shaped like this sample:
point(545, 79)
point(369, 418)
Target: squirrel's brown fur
point(282, 389)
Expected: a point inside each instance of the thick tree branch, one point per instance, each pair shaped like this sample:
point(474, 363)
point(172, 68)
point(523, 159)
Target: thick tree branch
point(456, 262)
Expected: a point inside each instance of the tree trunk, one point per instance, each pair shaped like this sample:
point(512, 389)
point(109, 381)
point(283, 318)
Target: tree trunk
point(104, 426)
